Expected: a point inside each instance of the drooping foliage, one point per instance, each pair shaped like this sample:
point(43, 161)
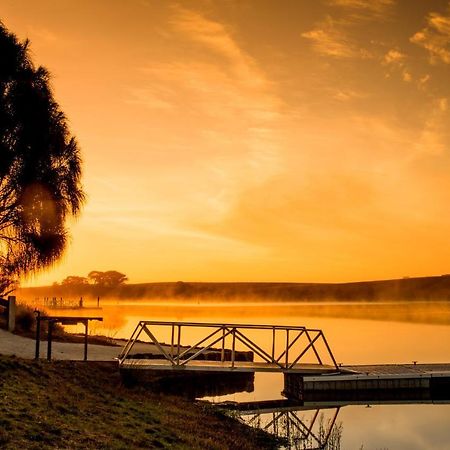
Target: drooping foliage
point(40, 165)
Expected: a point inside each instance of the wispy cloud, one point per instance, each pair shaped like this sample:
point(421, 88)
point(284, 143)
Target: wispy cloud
point(366, 8)
point(423, 81)
point(432, 140)
point(435, 37)
point(153, 98)
point(329, 38)
point(221, 79)
point(219, 88)
point(395, 61)
point(345, 95)
point(394, 56)
point(217, 37)
point(407, 76)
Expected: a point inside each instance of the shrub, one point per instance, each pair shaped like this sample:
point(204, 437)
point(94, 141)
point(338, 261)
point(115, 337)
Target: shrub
point(25, 318)
point(26, 322)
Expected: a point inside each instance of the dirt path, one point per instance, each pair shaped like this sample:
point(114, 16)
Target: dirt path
point(11, 344)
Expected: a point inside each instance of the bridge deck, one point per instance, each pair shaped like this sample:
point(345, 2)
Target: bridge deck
point(218, 366)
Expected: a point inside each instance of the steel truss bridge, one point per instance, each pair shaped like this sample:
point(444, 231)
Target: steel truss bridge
point(229, 347)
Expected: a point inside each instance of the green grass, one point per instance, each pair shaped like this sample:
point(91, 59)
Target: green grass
point(77, 405)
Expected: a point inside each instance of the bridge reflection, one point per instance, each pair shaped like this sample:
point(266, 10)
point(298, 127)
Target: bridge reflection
point(296, 425)
point(313, 423)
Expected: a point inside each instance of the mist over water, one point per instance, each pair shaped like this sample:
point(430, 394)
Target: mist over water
point(358, 333)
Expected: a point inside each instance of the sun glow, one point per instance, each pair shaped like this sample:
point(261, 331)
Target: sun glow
point(227, 142)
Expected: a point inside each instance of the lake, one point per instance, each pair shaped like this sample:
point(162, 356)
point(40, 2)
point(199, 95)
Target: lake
point(358, 333)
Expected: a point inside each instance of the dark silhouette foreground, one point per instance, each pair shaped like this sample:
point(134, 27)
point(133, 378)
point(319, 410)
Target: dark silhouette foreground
point(40, 166)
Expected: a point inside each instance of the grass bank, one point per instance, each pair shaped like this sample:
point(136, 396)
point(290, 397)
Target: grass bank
point(78, 405)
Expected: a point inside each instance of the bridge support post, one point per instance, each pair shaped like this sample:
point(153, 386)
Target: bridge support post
point(293, 386)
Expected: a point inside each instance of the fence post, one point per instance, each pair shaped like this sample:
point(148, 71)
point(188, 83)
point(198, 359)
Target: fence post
point(11, 313)
point(38, 333)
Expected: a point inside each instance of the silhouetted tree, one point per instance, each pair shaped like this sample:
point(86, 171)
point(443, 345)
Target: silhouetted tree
point(74, 280)
point(40, 166)
point(110, 278)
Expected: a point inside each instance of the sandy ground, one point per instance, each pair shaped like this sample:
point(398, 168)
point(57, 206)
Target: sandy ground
point(11, 344)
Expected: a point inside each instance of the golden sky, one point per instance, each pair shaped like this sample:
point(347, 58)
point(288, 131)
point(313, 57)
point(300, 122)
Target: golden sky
point(263, 140)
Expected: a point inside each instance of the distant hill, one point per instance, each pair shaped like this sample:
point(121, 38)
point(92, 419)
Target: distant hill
point(408, 289)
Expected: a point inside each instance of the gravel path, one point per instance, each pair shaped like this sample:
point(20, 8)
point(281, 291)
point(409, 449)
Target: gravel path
point(11, 344)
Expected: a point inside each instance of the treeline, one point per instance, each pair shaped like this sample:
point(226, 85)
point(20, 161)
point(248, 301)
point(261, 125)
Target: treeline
point(426, 288)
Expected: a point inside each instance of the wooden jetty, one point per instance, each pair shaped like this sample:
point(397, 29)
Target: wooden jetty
point(372, 377)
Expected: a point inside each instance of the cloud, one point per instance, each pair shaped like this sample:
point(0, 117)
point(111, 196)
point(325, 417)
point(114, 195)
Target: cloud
point(394, 56)
point(215, 36)
point(152, 98)
point(328, 38)
point(366, 8)
point(345, 95)
point(221, 104)
point(434, 135)
point(217, 77)
point(406, 76)
point(435, 38)
point(395, 60)
point(423, 81)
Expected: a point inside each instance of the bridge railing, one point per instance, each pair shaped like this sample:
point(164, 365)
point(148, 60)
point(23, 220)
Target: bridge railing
point(298, 343)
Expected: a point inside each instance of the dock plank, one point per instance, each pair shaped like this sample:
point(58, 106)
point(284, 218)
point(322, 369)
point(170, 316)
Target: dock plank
point(397, 369)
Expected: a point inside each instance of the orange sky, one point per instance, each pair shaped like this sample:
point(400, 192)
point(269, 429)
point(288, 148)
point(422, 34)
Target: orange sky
point(252, 139)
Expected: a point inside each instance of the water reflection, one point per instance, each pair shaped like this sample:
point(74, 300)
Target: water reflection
point(298, 427)
point(313, 423)
point(359, 333)
point(191, 385)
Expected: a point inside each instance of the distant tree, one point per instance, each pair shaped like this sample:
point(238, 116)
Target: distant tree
point(110, 278)
point(74, 280)
point(95, 276)
point(40, 166)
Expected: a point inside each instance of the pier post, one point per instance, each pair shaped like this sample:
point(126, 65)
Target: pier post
point(11, 313)
point(38, 333)
point(49, 340)
point(293, 386)
point(85, 340)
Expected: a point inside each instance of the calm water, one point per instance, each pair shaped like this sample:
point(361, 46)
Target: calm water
point(362, 333)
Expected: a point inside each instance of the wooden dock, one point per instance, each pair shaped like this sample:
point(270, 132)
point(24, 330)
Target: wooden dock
point(371, 377)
